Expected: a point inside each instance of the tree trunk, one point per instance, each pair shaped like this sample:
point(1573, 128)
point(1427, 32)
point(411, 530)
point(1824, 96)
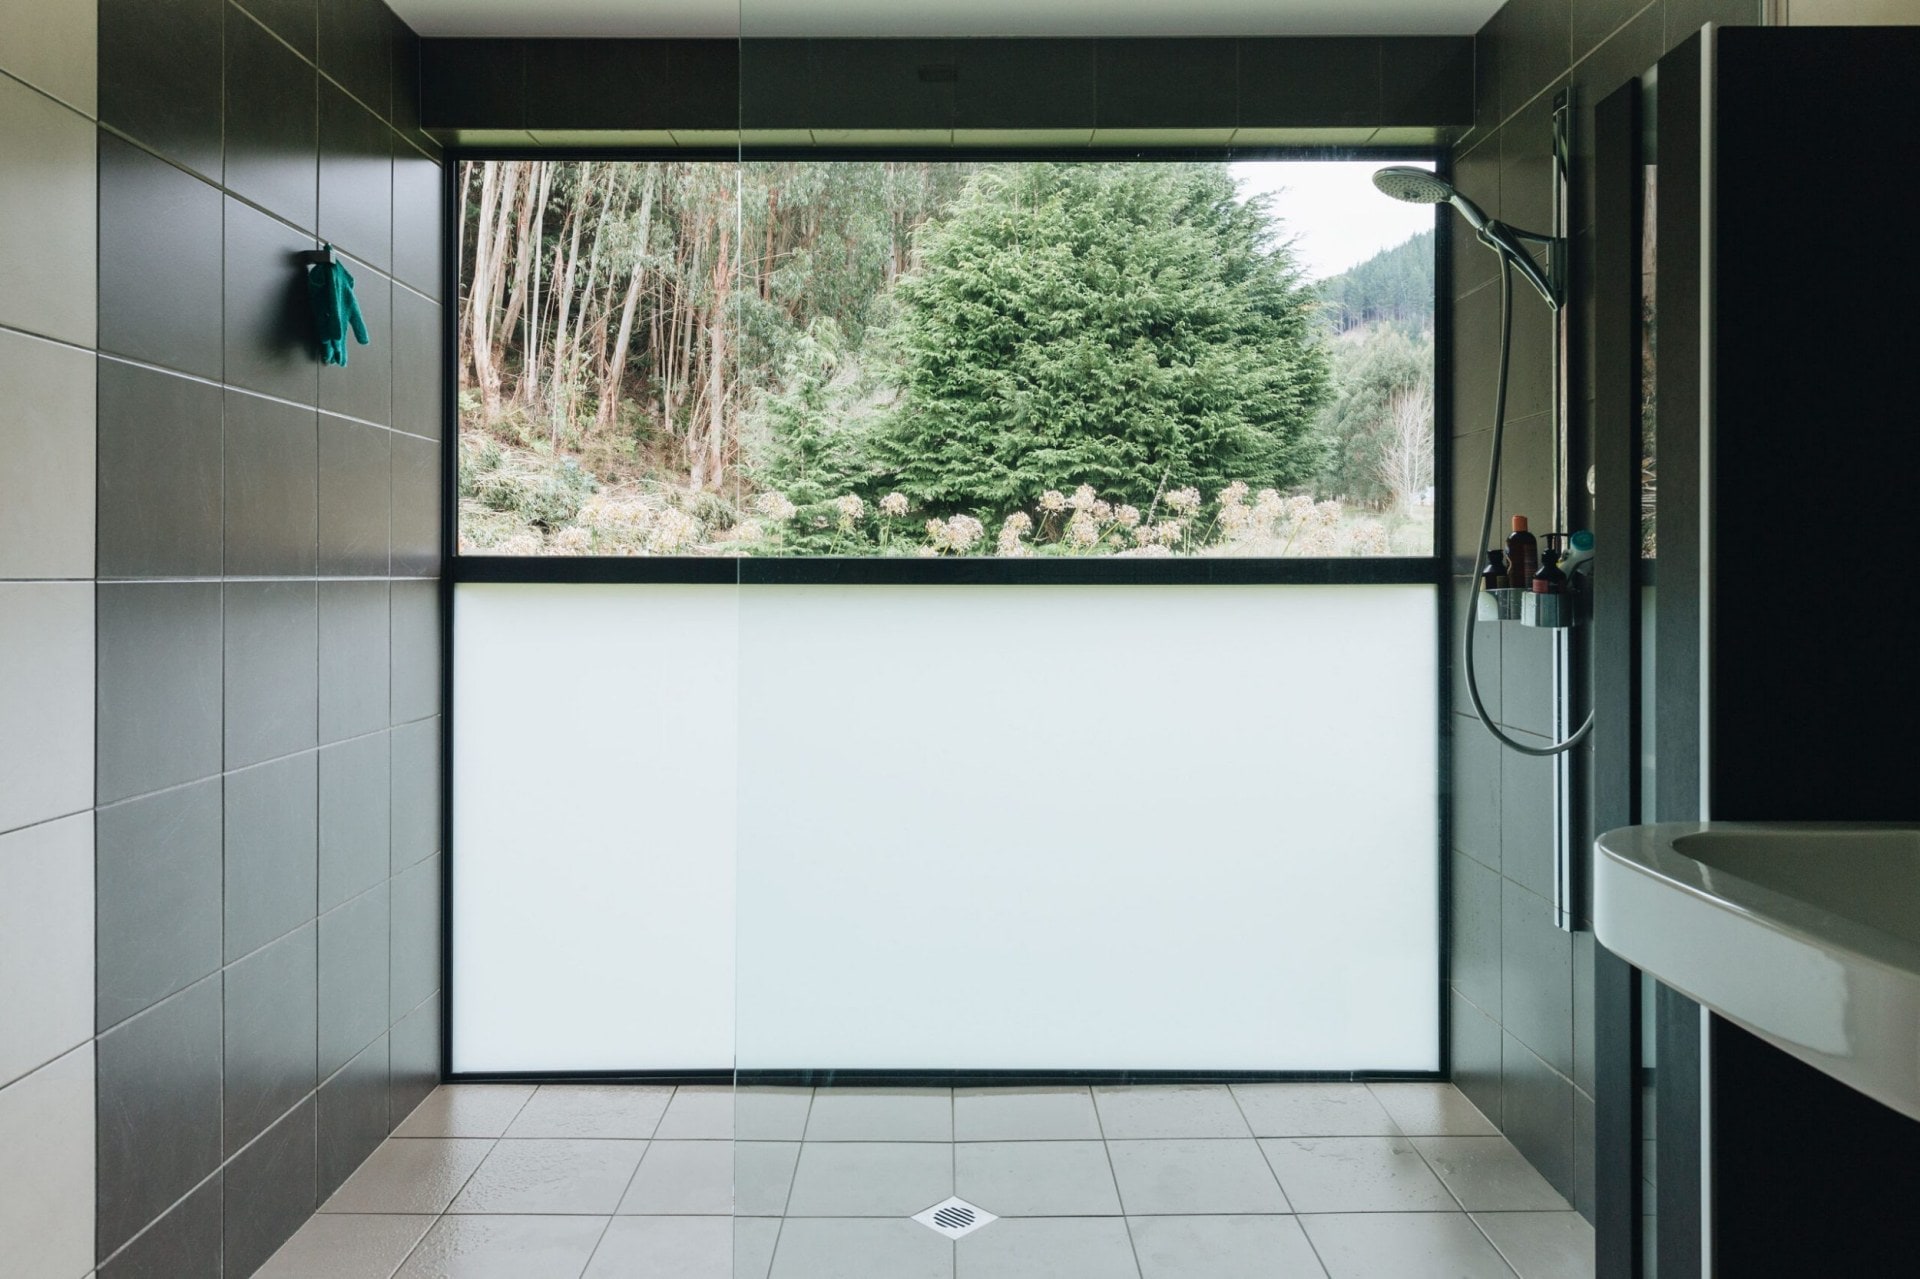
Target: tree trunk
point(482, 344)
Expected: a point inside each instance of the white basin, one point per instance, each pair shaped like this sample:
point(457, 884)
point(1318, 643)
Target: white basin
point(1807, 935)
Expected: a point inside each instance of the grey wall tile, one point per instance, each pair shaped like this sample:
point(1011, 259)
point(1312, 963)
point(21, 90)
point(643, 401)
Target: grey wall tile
point(46, 695)
point(46, 459)
point(416, 792)
point(414, 1047)
point(416, 363)
point(46, 951)
point(355, 818)
point(160, 231)
point(47, 216)
point(159, 474)
point(54, 48)
point(1537, 1113)
point(270, 481)
point(270, 1037)
point(356, 179)
point(272, 859)
point(161, 76)
point(1486, 657)
point(355, 498)
point(272, 670)
point(269, 1191)
point(416, 220)
point(352, 1117)
point(1476, 932)
point(158, 897)
point(1476, 791)
point(1585, 1171)
point(1583, 1019)
point(353, 978)
point(416, 936)
point(1526, 679)
point(416, 506)
point(295, 21)
point(354, 659)
point(363, 388)
point(159, 698)
point(46, 1166)
point(272, 130)
point(1537, 977)
point(1476, 1055)
point(1526, 817)
point(269, 327)
point(159, 1118)
point(416, 650)
point(356, 49)
point(184, 1244)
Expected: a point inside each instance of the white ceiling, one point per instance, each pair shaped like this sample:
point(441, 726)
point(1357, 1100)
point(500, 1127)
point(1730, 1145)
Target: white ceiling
point(727, 18)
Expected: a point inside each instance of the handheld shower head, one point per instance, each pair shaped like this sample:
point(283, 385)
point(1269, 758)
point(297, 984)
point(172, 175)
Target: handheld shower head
point(1418, 186)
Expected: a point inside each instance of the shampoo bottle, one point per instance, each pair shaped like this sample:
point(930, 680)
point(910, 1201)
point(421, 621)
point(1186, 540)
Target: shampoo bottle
point(1523, 556)
point(1494, 576)
point(1550, 580)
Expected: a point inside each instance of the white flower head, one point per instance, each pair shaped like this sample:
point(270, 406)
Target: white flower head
point(963, 531)
point(1053, 500)
point(1183, 499)
point(1233, 494)
point(1083, 529)
point(893, 505)
point(1083, 498)
point(775, 506)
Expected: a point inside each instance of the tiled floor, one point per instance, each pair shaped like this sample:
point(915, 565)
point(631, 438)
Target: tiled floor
point(1333, 1181)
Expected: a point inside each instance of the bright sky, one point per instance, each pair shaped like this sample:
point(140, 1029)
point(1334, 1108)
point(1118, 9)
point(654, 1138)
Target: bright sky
point(1331, 209)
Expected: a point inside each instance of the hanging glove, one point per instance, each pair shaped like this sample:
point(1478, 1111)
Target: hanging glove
point(335, 310)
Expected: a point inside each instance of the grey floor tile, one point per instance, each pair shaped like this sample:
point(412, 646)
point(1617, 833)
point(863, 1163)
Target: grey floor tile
point(1433, 1110)
point(881, 1114)
point(1403, 1245)
point(1036, 1178)
point(665, 1248)
point(1048, 1248)
point(421, 1175)
point(505, 1247)
point(1193, 1177)
point(1025, 1114)
point(771, 1114)
point(466, 1110)
point(854, 1249)
point(342, 1245)
point(870, 1179)
point(1313, 1110)
point(617, 1112)
point(552, 1177)
point(753, 1243)
point(683, 1179)
point(1244, 1247)
point(1486, 1174)
point(763, 1177)
point(1356, 1174)
point(1541, 1245)
point(702, 1112)
point(1180, 1110)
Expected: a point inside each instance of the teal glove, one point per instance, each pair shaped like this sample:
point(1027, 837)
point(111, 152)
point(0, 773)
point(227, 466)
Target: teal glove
point(335, 310)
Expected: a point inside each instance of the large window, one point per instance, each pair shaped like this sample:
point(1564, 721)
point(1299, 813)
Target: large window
point(937, 358)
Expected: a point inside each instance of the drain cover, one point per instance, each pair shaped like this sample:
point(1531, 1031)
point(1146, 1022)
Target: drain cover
point(954, 1218)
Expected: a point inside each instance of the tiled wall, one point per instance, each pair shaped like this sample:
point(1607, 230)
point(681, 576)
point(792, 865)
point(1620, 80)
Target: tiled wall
point(1521, 1000)
point(219, 651)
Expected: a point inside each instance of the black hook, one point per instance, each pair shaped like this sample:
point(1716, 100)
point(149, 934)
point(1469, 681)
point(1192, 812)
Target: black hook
point(322, 256)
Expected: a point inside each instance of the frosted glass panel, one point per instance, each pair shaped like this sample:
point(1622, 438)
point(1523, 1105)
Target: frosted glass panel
point(1121, 828)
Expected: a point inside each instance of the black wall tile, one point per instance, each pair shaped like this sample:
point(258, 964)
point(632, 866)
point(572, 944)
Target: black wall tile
point(157, 876)
point(272, 661)
point(416, 651)
point(414, 1048)
point(1537, 1113)
point(355, 496)
point(1476, 1055)
point(416, 506)
point(416, 792)
point(473, 84)
point(356, 179)
point(353, 978)
point(352, 1117)
point(416, 926)
point(1533, 46)
point(1476, 791)
point(1684, 17)
point(270, 1037)
point(1476, 927)
point(159, 234)
point(356, 50)
point(1167, 84)
point(294, 21)
point(269, 1191)
point(158, 706)
point(270, 487)
point(1536, 1005)
point(774, 84)
point(355, 662)
point(416, 223)
point(272, 859)
point(1295, 82)
point(1023, 84)
point(269, 340)
point(596, 84)
point(159, 1110)
point(1585, 1170)
point(406, 78)
point(160, 76)
point(363, 387)
point(703, 84)
point(272, 136)
point(355, 820)
point(879, 84)
point(1427, 81)
point(1583, 1019)
point(159, 474)
point(416, 364)
point(184, 1244)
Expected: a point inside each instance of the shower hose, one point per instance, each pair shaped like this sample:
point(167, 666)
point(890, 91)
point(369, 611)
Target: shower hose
point(1486, 529)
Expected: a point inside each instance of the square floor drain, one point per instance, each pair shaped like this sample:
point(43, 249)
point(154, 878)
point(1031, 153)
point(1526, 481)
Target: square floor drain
point(955, 1218)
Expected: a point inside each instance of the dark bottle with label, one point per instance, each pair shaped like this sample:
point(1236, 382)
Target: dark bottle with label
point(1550, 580)
point(1523, 555)
point(1494, 576)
